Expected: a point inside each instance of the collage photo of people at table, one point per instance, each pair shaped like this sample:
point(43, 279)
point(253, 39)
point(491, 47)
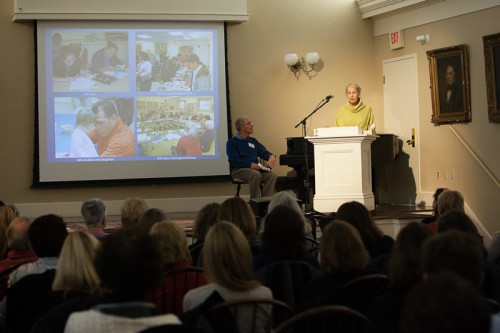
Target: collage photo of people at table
point(132, 94)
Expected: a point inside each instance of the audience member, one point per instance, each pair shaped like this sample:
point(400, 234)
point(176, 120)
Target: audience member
point(206, 218)
point(47, 234)
point(94, 214)
point(435, 213)
point(457, 220)
point(31, 282)
point(448, 200)
point(343, 257)
point(150, 217)
point(288, 199)
point(283, 238)
point(405, 270)
point(131, 211)
point(75, 274)
point(20, 250)
point(238, 212)
point(172, 243)
point(445, 303)
point(228, 267)
point(7, 214)
point(129, 266)
point(357, 215)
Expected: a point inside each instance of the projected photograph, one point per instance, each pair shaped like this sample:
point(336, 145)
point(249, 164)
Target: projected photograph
point(94, 61)
point(174, 60)
point(175, 126)
point(93, 128)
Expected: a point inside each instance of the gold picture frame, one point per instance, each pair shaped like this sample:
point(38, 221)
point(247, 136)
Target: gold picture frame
point(491, 46)
point(450, 86)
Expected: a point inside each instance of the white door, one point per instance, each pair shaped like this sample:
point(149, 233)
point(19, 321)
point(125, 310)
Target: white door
point(400, 183)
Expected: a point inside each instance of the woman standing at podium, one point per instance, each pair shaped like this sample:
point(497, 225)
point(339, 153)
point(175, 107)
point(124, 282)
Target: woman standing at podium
point(355, 112)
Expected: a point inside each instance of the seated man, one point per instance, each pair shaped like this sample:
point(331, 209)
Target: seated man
point(243, 153)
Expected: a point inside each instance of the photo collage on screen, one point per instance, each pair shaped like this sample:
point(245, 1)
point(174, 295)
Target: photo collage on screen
point(131, 94)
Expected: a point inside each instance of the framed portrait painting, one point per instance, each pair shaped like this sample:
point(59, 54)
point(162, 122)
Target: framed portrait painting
point(450, 85)
point(491, 45)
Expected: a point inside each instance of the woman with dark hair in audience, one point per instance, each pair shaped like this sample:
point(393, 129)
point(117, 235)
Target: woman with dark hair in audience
point(283, 239)
point(206, 217)
point(343, 257)
point(359, 217)
point(405, 270)
point(228, 267)
point(458, 220)
point(435, 213)
point(150, 217)
point(238, 212)
point(172, 244)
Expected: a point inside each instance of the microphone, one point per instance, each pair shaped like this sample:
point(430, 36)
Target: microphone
point(327, 98)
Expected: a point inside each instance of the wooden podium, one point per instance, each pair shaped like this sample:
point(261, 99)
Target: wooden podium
point(342, 167)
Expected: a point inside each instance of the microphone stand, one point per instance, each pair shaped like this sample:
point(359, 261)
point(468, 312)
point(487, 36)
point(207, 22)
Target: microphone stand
point(308, 205)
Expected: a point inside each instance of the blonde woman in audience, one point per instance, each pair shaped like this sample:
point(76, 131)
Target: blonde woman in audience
point(7, 214)
point(132, 210)
point(75, 273)
point(448, 200)
point(228, 266)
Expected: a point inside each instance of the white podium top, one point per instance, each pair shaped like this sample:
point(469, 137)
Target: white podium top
point(337, 131)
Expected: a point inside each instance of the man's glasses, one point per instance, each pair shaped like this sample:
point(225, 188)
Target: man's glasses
point(249, 123)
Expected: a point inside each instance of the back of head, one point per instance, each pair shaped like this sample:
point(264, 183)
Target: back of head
point(456, 220)
point(456, 252)
point(227, 258)
point(75, 268)
point(84, 116)
point(359, 217)
point(450, 200)
point(128, 263)
point(94, 213)
point(7, 214)
point(445, 303)
point(283, 235)
point(342, 250)
point(238, 212)
point(47, 234)
point(171, 242)
point(206, 217)
point(405, 263)
point(151, 217)
point(131, 211)
point(17, 234)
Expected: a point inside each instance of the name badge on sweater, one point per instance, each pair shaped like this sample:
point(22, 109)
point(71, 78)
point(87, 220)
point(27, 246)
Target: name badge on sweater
point(251, 145)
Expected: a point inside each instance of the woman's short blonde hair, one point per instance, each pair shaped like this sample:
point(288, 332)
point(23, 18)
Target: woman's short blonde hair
point(450, 200)
point(75, 268)
point(132, 210)
point(355, 85)
point(227, 258)
point(342, 249)
point(171, 242)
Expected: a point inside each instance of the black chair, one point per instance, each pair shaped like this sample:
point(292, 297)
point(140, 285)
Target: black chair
point(195, 251)
point(360, 292)
point(331, 318)
point(287, 279)
point(250, 315)
point(238, 182)
point(312, 246)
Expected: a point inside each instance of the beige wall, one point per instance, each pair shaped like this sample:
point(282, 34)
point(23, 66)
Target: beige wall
point(440, 148)
point(264, 89)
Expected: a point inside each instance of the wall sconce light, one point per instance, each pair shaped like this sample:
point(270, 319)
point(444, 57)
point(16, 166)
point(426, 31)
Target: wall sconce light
point(423, 39)
point(306, 65)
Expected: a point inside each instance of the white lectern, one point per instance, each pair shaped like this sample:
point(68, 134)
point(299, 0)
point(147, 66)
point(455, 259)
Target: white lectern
point(342, 167)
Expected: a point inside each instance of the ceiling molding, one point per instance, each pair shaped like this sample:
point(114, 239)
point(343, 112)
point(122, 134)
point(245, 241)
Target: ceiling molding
point(378, 8)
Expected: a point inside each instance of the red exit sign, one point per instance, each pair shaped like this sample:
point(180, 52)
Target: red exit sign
point(396, 39)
